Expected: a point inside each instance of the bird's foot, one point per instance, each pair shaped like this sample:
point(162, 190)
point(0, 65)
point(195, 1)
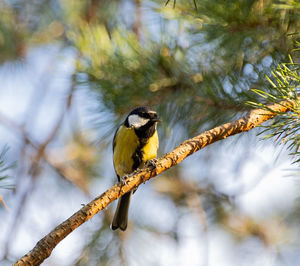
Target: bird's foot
point(152, 163)
point(123, 180)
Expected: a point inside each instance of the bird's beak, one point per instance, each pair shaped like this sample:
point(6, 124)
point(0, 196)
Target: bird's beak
point(155, 120)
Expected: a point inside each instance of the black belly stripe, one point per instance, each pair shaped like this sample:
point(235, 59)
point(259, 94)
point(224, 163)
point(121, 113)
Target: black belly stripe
point(144, 133)
point(137, 158)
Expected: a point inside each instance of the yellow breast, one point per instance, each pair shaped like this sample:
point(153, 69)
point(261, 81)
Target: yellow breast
point(150, 149)
point(126, 144)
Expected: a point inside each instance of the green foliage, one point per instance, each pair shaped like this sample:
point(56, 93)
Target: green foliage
point(194, 59)
point(285, 86)
point(10, 38)
point(127, 72)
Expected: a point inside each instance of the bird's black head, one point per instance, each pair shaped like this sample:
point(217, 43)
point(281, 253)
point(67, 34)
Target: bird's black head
point(143, 120)
point(140, 117)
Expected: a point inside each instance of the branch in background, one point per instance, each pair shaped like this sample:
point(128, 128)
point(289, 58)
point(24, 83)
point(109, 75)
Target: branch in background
point(34, 168)
point(42, 147)
point(44, 247)
point(136, 27)
point(3, 203)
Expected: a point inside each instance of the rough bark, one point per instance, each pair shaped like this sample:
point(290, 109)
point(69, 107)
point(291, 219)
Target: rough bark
point(44, 247)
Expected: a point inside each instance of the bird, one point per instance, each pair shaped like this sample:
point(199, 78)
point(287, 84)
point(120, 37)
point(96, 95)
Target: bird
point(134, 144)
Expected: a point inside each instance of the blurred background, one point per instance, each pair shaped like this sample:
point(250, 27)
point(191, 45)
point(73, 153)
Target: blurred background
point(70, 71)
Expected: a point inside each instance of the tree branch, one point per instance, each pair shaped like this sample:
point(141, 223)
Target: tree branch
point(44, 247)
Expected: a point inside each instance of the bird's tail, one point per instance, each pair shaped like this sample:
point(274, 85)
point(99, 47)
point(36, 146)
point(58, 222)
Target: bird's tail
point(121, 214)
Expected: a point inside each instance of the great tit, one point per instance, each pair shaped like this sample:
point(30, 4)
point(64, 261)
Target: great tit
point(135, 142)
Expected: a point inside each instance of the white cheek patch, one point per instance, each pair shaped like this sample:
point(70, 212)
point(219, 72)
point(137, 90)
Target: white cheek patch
point(137, 121)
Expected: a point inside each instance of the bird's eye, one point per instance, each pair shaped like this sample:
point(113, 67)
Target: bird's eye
point(144, 115)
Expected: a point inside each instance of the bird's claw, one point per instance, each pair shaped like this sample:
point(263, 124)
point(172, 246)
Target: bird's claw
point(152, 163)
point(123, 180)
